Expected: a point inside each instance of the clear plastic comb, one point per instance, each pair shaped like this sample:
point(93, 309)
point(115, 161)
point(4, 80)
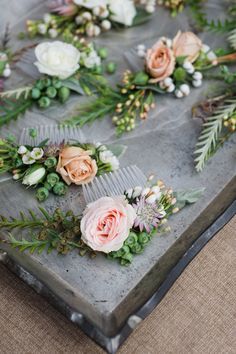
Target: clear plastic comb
point(55, 133)
point(115, 183)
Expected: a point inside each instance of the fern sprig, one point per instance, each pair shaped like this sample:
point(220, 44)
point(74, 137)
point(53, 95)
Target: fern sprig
point(209, 139)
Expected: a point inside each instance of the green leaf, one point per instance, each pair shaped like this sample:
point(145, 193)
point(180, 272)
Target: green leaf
point(150, 87)
point(185, 197)
point(74, 85)
point(117, 149)
point(141, 17)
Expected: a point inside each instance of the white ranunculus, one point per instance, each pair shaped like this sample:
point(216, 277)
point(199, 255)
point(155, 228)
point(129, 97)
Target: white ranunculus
point(123, 11)
point(35, 177)
point(90, 4)
point(57, 59)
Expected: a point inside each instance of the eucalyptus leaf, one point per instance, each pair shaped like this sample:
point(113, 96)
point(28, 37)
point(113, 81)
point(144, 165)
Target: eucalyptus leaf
point(185, 197)
point(117, 149)
point(141, 17)
point(74, 85)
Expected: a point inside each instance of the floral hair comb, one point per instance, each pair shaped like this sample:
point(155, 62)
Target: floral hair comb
point(55, 76)
point(69, 18)
point(117, 222)
point(170, 66)
point(54, 163)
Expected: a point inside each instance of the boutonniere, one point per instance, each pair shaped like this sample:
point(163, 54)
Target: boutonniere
point(172, 67)
point(119, 224)
point(87, 17)
point(61, 69)
point(55, 163)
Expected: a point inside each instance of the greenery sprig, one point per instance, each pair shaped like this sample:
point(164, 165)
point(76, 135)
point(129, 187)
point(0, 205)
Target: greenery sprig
point(216, 130)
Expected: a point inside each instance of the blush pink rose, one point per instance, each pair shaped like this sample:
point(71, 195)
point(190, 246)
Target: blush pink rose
point(160, 62)
point(106, 223)
point(187, 44)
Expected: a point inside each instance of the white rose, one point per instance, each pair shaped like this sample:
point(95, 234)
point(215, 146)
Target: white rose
point(123, 11)
point(90, 4)
point(35, 177)
point(57, 59)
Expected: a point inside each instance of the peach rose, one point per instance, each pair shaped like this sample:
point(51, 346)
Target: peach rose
point(160, 62)
point(187, 44)
point(75, 165)
point(106, 223)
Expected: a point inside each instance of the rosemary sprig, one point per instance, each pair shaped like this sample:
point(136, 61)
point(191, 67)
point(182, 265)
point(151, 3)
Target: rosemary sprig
point(12, 109)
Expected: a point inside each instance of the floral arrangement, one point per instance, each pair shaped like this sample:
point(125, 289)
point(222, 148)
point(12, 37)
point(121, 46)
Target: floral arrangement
point(119, 227)
point(86, 17)
point(171, 67)
point(52, 167)
point(64, 69)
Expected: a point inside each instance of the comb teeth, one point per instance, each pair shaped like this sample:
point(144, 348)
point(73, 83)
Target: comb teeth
point(113, 184)
point(56, 134)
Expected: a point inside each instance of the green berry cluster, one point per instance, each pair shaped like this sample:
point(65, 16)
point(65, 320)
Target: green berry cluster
point(134, 244)
point(47, 89)
point(52, 184)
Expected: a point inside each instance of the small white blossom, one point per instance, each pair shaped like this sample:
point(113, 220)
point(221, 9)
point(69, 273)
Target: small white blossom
point(168, 81)
point(42, 28)
point(79, 20)
point(211, 56)
point(53, 33)
point(114, 162)
point(6, 72)
point(97, 30)
point(105, 156)
point(188, 67)
point(137, 191)
point(22, 150)
point(170, 88)
point(179, 94)
point(106, 25)
point(27, 159)
point(150, 9)
point(129, 193)
point(37, 153)
point(151, 199)
point(91, 60)
point(205, 48)
point(185, 89)
point(87, 16)
point(141, 54)
point(104, 13)
point(197, 83)
point(197, 75)
point(141, 47)
point(16, 176)
point(96, 10)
